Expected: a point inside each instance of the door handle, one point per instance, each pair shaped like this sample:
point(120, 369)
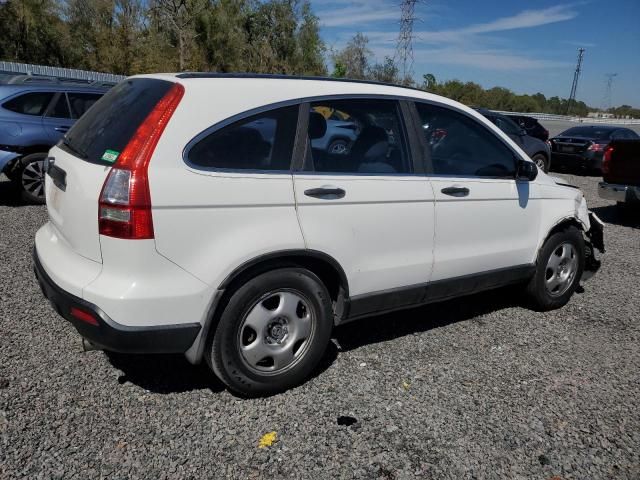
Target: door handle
point(61, 129)
point(456, 191)
point(326, 193)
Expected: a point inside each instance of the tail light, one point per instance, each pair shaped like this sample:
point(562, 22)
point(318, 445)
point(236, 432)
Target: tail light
point(125, 200)
point(84, 316)
point(596, 147)
point(606, 160)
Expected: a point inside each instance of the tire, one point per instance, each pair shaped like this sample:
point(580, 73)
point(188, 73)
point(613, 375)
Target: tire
point(29, 178)
point(567, 249)
point(541, 161)
point(272, 333)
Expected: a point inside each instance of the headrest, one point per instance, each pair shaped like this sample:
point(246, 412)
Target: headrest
point(317, 126)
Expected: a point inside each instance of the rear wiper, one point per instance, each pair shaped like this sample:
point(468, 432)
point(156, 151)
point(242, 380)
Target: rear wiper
point(74, 149)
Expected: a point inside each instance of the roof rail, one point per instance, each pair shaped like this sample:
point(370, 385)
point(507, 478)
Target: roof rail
point(11, 79)
point(289, 77)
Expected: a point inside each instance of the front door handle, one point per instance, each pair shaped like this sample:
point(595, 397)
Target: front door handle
point(61, 129)
point(456, 191)
point(326, 193)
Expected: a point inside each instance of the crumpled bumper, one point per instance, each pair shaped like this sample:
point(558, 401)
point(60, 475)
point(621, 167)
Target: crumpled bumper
point(594, 241)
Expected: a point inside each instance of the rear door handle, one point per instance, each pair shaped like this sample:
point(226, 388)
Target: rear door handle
point(326, 193)
point(456, 191)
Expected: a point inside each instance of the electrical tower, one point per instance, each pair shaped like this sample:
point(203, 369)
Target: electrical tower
point(576, 76)
point(606, 102)
point(404, 48)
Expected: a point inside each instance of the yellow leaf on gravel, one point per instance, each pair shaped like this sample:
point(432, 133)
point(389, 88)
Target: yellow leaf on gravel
point(406, 385)
point(268, 439)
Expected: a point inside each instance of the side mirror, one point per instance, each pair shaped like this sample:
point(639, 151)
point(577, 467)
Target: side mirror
point(526, 171)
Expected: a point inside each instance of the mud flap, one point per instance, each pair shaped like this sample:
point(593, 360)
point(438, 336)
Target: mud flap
point(594, 240)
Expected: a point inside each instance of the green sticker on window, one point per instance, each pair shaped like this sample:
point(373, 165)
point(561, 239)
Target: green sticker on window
point(110, 156)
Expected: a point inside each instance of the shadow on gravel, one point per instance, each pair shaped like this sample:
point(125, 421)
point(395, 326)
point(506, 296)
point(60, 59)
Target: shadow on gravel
point(164, 373)
point(8, 195)
point(630, 217)
point(407, 322)
point(174, 374)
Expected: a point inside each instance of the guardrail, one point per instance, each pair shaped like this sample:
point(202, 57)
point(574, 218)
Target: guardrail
point(59, 72)
point(569, 118)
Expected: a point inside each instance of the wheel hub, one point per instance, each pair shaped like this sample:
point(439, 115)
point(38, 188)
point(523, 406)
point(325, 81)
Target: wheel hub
point(277, 331)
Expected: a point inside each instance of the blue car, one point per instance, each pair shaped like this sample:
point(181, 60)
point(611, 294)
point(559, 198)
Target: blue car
point(33, 118)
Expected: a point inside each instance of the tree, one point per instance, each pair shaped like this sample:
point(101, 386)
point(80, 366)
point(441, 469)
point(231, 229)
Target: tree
point(429, 82)
point(354, 58)
point(384, 72)
point(179, 17)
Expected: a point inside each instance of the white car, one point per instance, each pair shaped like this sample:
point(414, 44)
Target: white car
point(204, 214)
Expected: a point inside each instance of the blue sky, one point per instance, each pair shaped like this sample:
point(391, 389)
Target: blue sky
point(527, 47)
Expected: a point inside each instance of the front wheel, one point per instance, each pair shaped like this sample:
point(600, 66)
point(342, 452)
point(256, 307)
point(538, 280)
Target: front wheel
point(272, 333)
point(558, 271)
point(29, 178)
point(541, 162)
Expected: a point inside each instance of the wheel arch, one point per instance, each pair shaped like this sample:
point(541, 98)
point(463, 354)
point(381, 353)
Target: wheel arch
point(560, 225)
point(324, 266)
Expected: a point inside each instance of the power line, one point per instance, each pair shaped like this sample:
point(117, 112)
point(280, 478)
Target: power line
point(576, 76)
point(404, 48)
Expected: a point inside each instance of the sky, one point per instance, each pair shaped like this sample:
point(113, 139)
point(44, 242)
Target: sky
point(528, 47)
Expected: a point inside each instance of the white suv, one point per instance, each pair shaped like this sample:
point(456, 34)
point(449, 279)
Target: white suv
point(207, 214)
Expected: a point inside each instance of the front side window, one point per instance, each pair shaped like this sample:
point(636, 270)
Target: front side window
point(357, 136)
point(261, 142)
point(30, 103)
point(459, 145)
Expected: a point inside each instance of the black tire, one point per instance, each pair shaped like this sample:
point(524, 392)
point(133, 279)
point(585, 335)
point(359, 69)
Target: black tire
point(541, 161)
point(539, 296)
point(224, 354)
point(29, 178)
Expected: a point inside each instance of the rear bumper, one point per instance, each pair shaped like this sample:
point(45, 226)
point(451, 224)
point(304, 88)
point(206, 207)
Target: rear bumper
point(619, 193)
point(586, 160)
point(110, 335)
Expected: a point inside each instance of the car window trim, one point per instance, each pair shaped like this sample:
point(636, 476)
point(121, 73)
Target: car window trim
point(286, 103)
point(515, 155)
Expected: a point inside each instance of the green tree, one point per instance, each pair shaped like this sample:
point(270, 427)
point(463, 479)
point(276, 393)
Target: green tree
point(354, 58)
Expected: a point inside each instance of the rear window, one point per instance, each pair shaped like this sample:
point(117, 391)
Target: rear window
point(110, 123)
point(588, 132)
point(30, 103)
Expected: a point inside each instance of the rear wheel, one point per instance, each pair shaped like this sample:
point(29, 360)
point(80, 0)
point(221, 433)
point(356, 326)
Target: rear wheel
point(29, 178)
point(541, 162)
point(272, 333)
point(558, 270)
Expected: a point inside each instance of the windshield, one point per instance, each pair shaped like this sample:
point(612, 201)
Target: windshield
point(588, 132)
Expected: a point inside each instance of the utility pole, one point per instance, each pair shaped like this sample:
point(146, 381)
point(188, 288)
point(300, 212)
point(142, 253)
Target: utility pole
point(606, 103)
point(576, 76)
point(404, 48)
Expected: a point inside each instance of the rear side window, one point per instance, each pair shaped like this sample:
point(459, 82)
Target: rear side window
point(459, 145)
point(261, 142)
point(81, 102)
point(359, 136)
point(34, 103)
point(113, 120)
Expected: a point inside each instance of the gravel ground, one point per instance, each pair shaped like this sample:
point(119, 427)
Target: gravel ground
point(474, 388)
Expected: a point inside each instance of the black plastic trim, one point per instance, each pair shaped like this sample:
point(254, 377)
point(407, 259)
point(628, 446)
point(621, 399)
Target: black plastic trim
point(425, 293)
point(110, 335)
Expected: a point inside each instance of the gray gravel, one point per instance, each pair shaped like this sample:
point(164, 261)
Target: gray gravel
point(475, 388)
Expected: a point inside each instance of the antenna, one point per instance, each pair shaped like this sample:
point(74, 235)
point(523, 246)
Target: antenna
point(606, 102)
point(404, 48)
point(576, 76)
